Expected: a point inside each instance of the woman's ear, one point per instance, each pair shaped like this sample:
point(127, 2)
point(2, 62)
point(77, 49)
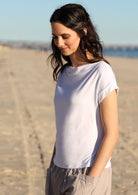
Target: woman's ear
point(85, 31)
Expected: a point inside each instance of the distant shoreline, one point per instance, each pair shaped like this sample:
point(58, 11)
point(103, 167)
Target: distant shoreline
point(130, 51)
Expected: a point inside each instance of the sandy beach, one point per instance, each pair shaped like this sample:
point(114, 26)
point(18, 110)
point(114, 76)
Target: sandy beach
point(27, 123)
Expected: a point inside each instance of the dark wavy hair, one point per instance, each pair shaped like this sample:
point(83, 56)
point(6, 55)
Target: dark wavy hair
point(75, 17)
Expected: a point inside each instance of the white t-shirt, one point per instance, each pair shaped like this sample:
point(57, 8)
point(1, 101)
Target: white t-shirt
point(78, 94)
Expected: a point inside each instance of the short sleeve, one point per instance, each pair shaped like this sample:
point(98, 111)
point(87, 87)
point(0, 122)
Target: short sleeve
point(107, 82)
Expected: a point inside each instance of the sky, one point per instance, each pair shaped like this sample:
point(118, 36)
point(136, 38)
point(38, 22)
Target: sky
point(28, 20)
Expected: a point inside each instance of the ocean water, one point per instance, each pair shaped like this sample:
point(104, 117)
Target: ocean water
point(130, 52)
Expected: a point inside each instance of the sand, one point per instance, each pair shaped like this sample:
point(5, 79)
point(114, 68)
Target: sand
point(27, 123)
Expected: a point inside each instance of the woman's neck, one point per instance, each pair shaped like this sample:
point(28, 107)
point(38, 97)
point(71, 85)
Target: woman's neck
point(77, 59)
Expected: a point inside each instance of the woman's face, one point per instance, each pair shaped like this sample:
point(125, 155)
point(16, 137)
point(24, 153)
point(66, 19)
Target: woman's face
point(66, 39)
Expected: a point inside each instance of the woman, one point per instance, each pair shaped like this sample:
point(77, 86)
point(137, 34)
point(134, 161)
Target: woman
point(85, 107)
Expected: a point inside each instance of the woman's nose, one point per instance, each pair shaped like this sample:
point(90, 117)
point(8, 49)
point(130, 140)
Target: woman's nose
point(59, 42)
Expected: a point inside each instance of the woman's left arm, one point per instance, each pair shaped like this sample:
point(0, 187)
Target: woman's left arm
point(109, 118)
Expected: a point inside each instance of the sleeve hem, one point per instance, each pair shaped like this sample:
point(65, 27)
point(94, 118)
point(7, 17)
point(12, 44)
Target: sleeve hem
point(107, 91)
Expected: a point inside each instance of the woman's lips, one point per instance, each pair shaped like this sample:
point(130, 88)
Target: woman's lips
point(63, 49)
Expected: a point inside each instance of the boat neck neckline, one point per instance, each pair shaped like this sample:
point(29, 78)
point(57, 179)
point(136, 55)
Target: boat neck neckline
point(80, 69)
point(82, 66)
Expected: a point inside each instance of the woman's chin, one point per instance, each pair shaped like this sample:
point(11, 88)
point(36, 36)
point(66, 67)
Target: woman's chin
point(65, 53)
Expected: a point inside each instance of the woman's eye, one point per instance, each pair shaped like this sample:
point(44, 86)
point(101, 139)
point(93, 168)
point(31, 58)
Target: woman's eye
point(65, 37)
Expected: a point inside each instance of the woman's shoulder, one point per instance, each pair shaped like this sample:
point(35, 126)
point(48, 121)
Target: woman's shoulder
point(103, 65)
point(104, 68)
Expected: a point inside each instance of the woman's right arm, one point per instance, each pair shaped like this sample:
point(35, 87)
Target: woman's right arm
point(54, 151)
